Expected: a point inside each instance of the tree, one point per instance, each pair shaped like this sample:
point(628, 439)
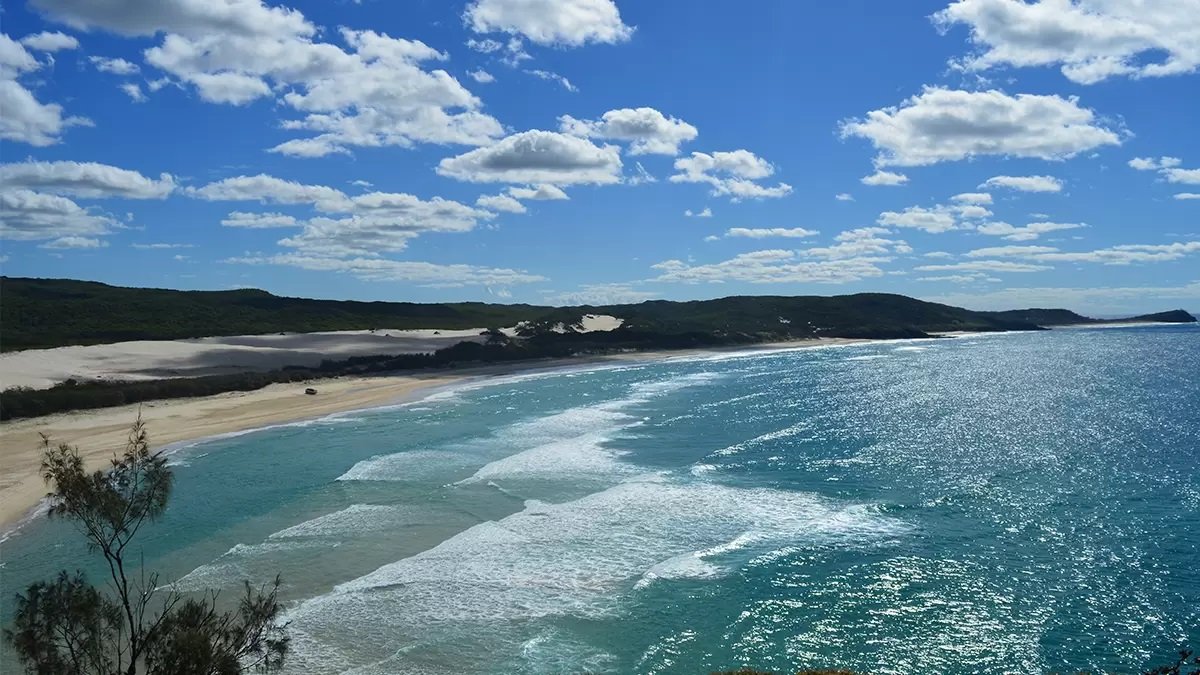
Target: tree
point(67, 626)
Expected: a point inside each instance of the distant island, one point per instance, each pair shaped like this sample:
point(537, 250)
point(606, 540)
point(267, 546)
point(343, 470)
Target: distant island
point(51, 313)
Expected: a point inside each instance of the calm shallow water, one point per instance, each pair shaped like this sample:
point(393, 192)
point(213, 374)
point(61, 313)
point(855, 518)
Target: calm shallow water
point(1019, 502)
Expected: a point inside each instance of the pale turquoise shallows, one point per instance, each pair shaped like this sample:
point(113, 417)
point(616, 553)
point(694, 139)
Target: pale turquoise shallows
point(1018, 502)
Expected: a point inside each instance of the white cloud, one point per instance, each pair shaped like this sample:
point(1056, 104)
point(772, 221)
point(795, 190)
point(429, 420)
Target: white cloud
point(85, 179)
point(105, 64)
point(1188, 176)
point(550, 22)
point(537, 157)
point(705, 213)
point(552, 77)
point(941, 125)
point(542, 192)
point(74, 243)
point(500, 203)
point(25, 119)
point(972, 198)
point(984, 266)
point(1131, 299)
point(1027, 232)
point(134, 91)
point(258, 220)
point(865, 244)
point(599, 294)
point(772, 266)
point(973, 277)
point(1152, 164)
point(1187, 195)
point(160, 246)
point(935, 219)
point(482, 76)
point(884, 178)
point(648, 130)
point(271, 190)
point(31, 216)
point(1024, 183)
point(844, 197)
point(938, 254)
point(1091, 40)
point(383, 270)
point(50, 42)
point(768, 232)
point(369, 90)
point(730, 173)
point(1008, 251)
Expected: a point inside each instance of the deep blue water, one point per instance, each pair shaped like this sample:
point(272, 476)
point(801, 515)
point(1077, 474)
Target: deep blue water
point(1004, 503)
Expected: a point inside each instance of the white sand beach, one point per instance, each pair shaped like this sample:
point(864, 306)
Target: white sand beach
point(98, 433)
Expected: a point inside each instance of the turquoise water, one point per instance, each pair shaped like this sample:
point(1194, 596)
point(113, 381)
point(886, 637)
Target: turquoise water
point(1020, 502)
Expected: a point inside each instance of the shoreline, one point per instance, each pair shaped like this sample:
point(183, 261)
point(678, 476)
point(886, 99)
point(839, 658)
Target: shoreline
point(100, 432)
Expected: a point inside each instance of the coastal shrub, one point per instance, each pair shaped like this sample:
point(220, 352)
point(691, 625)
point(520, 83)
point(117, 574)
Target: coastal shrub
point(68, 626)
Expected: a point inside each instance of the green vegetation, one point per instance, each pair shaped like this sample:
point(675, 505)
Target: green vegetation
point(69, 627)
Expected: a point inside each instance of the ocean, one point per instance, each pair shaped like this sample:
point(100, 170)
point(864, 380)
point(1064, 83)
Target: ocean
point(1019, 502)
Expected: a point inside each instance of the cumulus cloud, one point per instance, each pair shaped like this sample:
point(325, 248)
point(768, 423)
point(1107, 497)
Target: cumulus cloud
point(1091, 40)
point(482, 76)
point(1109, 299)
point(271, 190)
point(25, 118)
point(361, 89)
point(973, 198)
point(1024, 183)
point(844, 197)
point(74, 243)
point(541, 192)
point(384, 270)
point(550, 22)
point(599, 294)
point(1152, 164)
point(552, 77)
point(1003, 251)
point(984, 266)
point(769, 232)
point(647, 130)
point(32, 216)
point(1187, 196)
point(1169, 169)
point(134, 91)
point(50, 41)
point(1188, 176)
point(884, 178)
point(537, 157)
point(500, 203)
point(704, 213)
point(730, 173)
point(1026, 232)
point(258, 220)
point(85, 179)
point(935, 219)
point(941, 125)
point(113, 66)
point(1124, 254)
point(772, 266)
point(866, 244)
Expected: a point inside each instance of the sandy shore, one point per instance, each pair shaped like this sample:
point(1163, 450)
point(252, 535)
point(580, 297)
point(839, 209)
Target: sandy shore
point(98, 433)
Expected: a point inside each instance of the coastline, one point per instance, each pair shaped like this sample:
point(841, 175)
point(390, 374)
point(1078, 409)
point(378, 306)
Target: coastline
point(100, 432)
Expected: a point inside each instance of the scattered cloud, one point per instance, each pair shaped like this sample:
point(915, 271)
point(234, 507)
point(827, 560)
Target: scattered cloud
point(258, 220)
point(772, 266)
point(1152, 164)
point(1125, 254)
point(1007, 251)
point(553, 77)
point(647, 130)
point(500, 203)
point(944, 125)
point(730, 173)
point(25, 119)
point(1091, 40)
point(85, 179)
point(569, 23)
point(160, 246)
point(113, 66)
point(537, 157)
point(984, 266)
point(1187, 195)
point(542, 192)
point(482, 76)
point(884, 178)
point(769, 232)
point(704, 213)
point(75, 243)
point(134, 91)
point(1024, 183)
point(1110, 299)
point(935, 219)
point(1025, 232)
point(50, 41)
point(33, 216)
point(981, 198)
point(599, 294)
point(384, 270)
point(844, 197)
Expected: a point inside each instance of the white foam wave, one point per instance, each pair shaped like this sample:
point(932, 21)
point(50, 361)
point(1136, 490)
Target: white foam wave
point(866, 357)
point(910, 349)
point(356, 519)
point(407, 466)
point(579, 558)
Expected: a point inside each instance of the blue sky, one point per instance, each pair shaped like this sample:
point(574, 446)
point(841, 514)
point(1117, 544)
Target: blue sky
point(986, 153)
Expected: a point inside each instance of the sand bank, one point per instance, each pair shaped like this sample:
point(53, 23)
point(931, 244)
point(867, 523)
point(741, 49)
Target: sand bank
point(98, 433)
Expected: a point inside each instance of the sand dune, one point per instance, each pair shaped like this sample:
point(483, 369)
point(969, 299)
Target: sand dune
point(159, 359)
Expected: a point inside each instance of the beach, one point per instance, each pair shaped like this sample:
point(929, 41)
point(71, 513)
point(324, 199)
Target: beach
point(100, 432)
